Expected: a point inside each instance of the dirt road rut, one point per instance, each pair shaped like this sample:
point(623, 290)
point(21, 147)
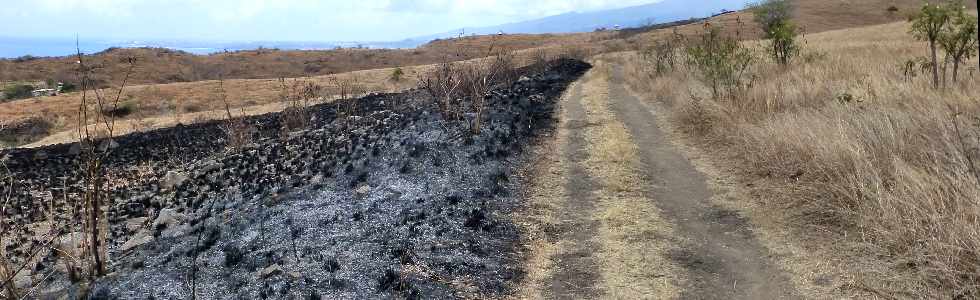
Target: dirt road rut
point(636, 219)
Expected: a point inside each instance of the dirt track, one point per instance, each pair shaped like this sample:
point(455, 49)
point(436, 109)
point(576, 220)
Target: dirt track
point(636, 219)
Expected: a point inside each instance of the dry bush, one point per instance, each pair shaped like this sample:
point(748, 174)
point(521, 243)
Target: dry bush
point(297, 96)
point(477, 79)
point(665, 55)
point(238, 131)
point(540, 59)
point(461, 88)
point(504, 66)
point(444, 83)
point(893, 165)
point(347, 89)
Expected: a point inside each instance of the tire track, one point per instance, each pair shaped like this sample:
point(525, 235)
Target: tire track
point(720, 254)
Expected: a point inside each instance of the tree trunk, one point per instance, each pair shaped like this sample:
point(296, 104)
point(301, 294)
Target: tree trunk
point(935, 64)
point(96, 212)
point(944, 69)
point(956, 68)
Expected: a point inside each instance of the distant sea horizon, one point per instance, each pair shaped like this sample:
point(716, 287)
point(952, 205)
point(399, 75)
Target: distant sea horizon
point(14, 47)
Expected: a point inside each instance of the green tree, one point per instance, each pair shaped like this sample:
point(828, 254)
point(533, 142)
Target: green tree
point(959, 38)
point(721, 62)
point(397, 75)
point(774, 19)
point(927, 25)
point(18, 91)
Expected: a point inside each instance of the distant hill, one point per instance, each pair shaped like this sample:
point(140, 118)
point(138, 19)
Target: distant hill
point(635, 16)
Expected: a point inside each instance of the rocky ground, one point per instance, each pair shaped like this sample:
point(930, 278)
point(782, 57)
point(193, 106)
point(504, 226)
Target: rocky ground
point(397, 202)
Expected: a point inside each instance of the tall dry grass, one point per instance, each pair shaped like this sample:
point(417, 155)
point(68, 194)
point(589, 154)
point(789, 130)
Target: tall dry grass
point(849, 145)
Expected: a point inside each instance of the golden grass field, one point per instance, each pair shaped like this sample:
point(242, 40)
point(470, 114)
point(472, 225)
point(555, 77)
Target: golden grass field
point(849, 149)
point(165, 105)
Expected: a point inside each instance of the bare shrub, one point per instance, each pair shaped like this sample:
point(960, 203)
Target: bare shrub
point(504, 68)
point(477, 80)
point(444, 84)
point(297, 97)
point(540, 60)
point(347, 89)
point(238, 131)
point(721, 62)
point(664, 54)
point(97, 146)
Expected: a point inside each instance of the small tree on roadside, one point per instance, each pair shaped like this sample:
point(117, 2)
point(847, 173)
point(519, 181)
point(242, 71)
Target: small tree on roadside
point(927, 25)
point(959, 38)
point(397, 75)
point(774, 19)
point(721, 62)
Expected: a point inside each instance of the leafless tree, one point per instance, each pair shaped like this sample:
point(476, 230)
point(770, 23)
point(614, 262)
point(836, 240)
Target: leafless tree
point(97, 146)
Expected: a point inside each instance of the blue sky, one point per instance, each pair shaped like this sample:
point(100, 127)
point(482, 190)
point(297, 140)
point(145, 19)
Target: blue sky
point(272, 20)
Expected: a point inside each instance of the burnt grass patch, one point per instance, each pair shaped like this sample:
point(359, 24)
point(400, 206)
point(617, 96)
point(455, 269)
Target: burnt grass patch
point(395, 202)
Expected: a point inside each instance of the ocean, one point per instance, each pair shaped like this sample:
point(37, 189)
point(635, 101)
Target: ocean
point(48, 47)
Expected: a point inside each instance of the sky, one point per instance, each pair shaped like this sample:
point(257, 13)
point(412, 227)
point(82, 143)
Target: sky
point(271, 20)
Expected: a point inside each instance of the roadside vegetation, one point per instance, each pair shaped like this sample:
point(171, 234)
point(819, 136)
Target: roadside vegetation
point(854, 142)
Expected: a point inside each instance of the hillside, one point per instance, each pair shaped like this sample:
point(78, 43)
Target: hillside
point(161, 66)
point(51, 119)
point(628, 17)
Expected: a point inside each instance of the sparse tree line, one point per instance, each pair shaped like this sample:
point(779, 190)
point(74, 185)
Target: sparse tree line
point(948, 27)
point(722, 61)
point(719, 58)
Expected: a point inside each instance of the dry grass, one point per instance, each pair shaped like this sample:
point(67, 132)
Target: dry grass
point(160, 66)
point(885, 172)
point(157, 106)
point(545, 196)
point(166, 105)
point(634, 238)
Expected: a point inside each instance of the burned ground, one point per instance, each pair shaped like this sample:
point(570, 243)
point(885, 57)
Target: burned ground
point(395, 202)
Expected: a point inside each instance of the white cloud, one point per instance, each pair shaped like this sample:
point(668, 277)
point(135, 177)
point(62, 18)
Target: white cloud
point(98, 7)
point(275, 19)
point(515, 8)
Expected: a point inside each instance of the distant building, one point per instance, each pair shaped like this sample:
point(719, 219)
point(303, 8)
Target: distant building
point(44, 92)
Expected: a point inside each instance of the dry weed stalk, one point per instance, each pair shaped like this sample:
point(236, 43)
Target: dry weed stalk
point(347, 89)
point(297, 97)
point(444, 84)
point(451, 83)
point(6, 266)
point(97, 146)
point(237, 129)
